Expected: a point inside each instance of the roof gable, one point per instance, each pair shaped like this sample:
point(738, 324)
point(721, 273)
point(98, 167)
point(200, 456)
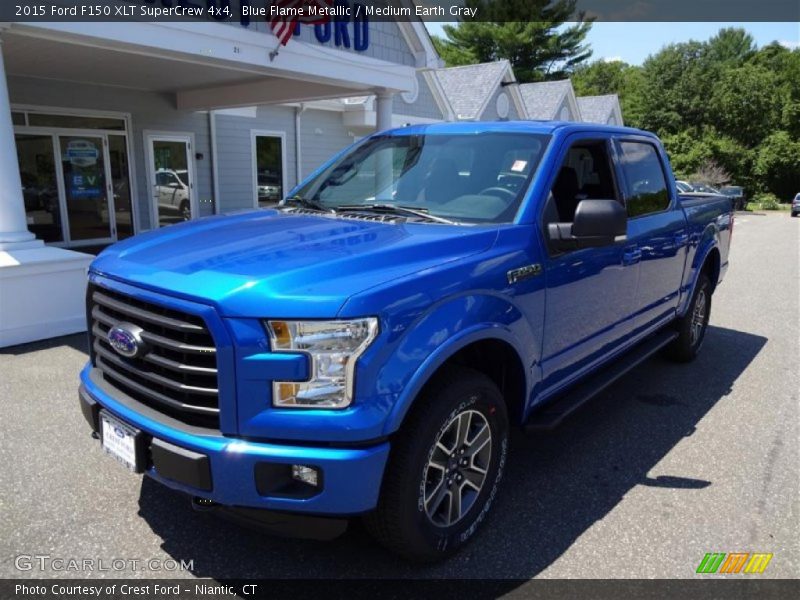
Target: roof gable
point(471, 87)
point(598, 109)
point(543, 99)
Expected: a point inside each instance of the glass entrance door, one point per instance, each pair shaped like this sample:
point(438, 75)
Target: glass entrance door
point(171, 179)
point(89, 206)
point(37, 170)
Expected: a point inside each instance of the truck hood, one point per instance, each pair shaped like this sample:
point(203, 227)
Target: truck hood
point(273, 264)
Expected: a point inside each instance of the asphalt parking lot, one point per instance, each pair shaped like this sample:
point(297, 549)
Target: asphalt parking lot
point(668, 464)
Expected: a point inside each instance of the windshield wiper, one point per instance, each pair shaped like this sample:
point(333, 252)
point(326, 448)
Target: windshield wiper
point(420, 213)
point(308, 203)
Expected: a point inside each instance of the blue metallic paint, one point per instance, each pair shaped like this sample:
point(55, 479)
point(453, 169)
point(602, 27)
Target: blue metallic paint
point(435, 289)
point(357, 470)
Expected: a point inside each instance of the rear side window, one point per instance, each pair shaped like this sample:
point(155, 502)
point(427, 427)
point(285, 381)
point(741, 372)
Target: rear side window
point(647, 186)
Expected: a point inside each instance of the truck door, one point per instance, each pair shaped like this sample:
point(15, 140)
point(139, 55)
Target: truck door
point(657, 232)
point(589, 292)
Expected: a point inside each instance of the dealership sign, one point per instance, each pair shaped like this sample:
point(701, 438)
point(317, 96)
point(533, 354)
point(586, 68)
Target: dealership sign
point(347, 27)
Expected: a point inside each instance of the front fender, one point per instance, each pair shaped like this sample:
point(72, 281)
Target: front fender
point(440, 333)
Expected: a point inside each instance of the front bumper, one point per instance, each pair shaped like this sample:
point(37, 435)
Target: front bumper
point(232, 471)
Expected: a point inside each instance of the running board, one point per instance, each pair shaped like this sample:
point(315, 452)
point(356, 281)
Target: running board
point(553, 413)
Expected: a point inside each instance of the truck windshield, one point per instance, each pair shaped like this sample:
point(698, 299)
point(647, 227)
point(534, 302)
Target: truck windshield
point(470, 178)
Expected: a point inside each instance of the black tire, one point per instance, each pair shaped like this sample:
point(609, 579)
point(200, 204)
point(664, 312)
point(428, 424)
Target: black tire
point(692, 326)
point(402, 521)
point(186, 211)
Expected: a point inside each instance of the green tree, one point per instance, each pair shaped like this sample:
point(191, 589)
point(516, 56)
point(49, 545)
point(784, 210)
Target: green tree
point(785, 65)
point(778, 165)
point(732, 45)
point(747, 103)
point(677, 84)
point(600, 77)
point(691, 150)
point(533, 35)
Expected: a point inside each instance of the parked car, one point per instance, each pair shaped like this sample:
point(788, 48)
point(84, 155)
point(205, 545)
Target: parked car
point(269, 187)
point(172, 191)
point(366, 347)
point(684, 187)
point(736, 194)
point(796, 205)
point(701, 188)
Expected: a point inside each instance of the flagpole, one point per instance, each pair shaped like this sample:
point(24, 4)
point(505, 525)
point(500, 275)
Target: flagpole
point(275, 52)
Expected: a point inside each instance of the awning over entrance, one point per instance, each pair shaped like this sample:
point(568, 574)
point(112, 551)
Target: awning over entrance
point(65, 174)
point(206, 65)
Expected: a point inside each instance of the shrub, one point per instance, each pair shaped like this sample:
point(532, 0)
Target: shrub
point(767, 201)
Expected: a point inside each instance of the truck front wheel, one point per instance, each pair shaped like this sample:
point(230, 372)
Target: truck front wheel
point(444, 468)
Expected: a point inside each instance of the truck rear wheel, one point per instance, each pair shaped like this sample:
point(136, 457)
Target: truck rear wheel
point(444, 468)
point(692, 326)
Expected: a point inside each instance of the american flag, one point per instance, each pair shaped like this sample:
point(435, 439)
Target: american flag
point(283, 26)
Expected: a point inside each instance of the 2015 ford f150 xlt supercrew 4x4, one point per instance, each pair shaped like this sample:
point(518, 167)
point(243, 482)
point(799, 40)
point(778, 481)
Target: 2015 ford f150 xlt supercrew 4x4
point(365, 347)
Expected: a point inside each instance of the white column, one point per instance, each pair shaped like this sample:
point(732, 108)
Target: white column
point(42, 288)
point(383, 111)
point(383, 121)
point(14, 232)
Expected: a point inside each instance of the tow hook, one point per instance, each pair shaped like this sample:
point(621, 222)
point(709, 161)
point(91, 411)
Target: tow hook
point(203, 504)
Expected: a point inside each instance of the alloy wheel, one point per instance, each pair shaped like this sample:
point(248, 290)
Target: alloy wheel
point(698, 317)
point(457, 468)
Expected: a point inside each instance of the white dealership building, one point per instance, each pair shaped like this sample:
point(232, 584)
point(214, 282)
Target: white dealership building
point(108, 129)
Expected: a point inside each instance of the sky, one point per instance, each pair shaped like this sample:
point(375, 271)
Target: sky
point(633, 42)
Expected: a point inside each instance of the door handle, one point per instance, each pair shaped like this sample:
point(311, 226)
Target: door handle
point(631, 255)
point(681, 239)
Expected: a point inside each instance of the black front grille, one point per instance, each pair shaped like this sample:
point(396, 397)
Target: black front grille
point(176, 373)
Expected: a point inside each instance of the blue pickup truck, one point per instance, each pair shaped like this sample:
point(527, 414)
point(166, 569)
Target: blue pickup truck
point(365, 347)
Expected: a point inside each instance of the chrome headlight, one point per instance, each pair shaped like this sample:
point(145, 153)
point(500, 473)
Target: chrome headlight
point(333, 347)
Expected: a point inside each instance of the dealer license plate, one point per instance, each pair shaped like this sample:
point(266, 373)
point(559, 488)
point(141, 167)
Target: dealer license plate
point(119, 440)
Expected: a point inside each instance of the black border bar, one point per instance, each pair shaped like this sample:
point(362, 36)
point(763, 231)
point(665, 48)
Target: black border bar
point(731, 588)
point(245, 11)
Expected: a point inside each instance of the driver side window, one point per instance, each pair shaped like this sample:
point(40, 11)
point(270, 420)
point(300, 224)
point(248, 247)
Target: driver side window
point(585, 174)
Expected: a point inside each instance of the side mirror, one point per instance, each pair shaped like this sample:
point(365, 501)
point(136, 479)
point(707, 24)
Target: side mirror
point(597, 223)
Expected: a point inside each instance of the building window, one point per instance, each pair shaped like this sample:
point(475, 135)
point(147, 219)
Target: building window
point(410, 96)
point(269, 168)
point(502, 105)
point(75, 122)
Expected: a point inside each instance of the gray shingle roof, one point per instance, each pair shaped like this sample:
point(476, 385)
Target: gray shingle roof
point(542, 99)
point(597, 109)
point(468, 88)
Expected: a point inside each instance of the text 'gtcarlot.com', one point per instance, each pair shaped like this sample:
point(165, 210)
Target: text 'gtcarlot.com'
point(45, 562)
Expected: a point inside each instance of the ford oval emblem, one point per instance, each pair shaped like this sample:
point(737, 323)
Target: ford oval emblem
point(126, 339)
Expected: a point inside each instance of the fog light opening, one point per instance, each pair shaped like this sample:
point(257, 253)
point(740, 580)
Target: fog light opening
point(305, 474)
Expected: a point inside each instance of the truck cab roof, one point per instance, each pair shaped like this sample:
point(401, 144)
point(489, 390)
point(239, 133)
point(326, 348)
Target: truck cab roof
point(541, 127)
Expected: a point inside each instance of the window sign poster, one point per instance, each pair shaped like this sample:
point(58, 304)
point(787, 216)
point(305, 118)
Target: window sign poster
point(85, 186)
point(83, 169)
point(82, 153)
